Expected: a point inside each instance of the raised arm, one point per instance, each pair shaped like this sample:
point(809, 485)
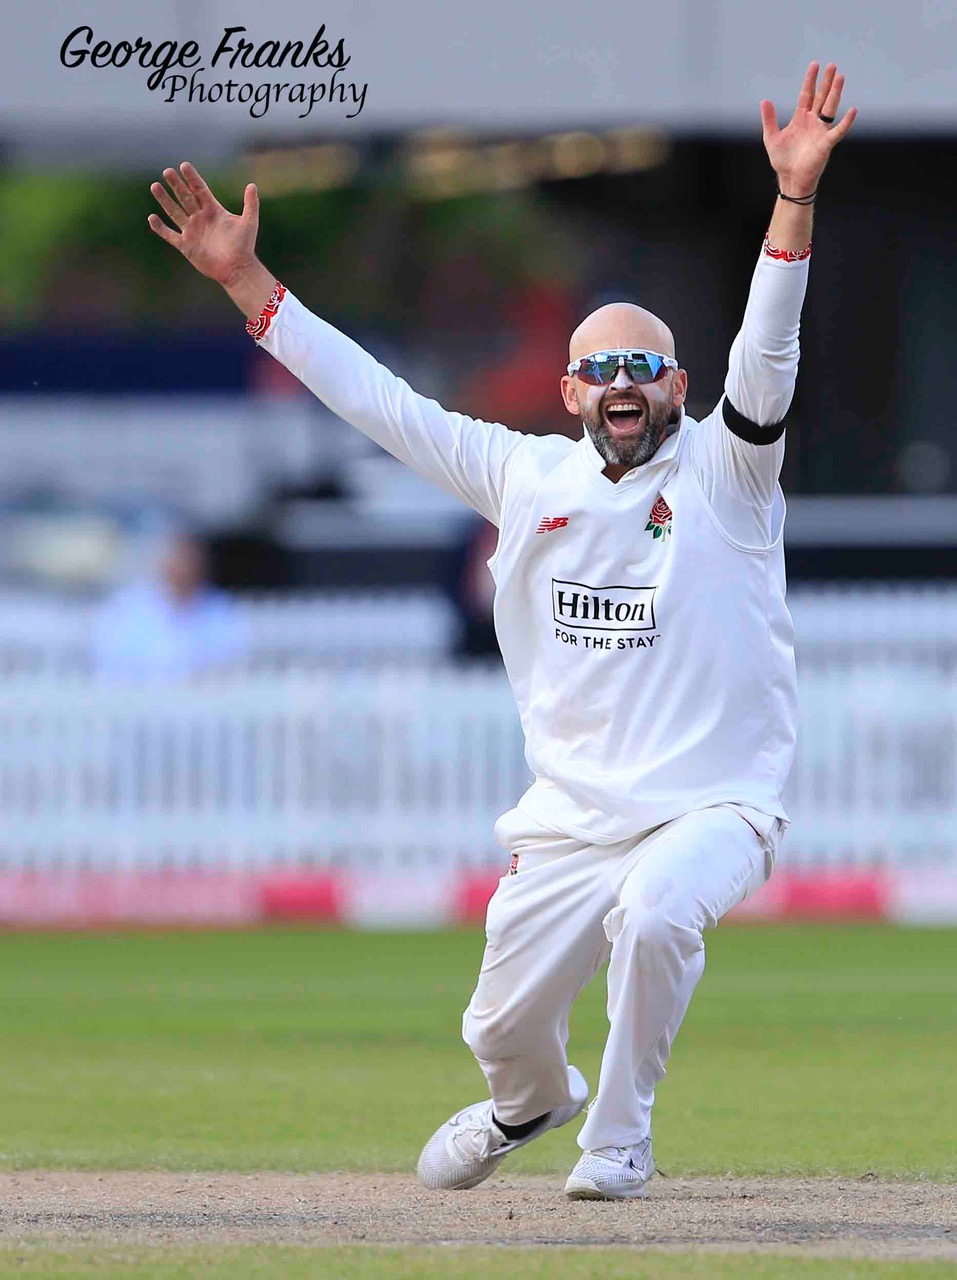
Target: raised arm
point(742, 445)
point(464, 456)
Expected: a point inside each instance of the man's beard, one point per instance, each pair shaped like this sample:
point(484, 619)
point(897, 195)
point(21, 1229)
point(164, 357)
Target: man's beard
point(635, 452)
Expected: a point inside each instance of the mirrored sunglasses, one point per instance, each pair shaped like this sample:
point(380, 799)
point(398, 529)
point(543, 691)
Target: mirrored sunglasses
point(601, 367)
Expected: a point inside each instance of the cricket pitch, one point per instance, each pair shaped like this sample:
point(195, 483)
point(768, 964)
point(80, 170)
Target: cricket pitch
point(827, 1217)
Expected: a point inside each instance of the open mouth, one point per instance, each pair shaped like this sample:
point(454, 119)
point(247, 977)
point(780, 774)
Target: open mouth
point(624, 418)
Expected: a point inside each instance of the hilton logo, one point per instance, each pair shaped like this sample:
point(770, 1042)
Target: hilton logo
point(576, 605)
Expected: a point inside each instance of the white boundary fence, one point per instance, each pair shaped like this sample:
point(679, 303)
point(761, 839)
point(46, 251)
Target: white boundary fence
point(406, 768)
point(41, 635)
point(391, 768)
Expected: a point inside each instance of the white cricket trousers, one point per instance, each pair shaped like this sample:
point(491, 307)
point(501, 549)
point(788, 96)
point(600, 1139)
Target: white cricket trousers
point(641, 904)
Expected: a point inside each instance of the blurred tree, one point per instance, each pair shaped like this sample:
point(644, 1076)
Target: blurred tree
point(76, 251)
point(36, 213)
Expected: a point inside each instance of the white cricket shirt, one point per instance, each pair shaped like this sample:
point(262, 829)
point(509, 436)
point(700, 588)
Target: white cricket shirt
point(643, 624)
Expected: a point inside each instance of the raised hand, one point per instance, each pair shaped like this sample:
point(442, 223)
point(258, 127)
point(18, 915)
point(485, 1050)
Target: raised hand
point(220, 244)
point(800, 151)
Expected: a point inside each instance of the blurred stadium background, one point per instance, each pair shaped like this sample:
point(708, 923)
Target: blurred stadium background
point(247, 666)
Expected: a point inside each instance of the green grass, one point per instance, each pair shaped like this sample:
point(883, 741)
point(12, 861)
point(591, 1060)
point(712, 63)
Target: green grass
point(369, 1263)
point(806, 1050)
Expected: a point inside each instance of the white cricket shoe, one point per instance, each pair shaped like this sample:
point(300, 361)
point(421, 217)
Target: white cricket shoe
point(612, 1173)
point(469, 1148)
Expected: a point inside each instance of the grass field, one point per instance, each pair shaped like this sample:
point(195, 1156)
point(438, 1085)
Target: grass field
point(423, 1264)
point(806, 1051)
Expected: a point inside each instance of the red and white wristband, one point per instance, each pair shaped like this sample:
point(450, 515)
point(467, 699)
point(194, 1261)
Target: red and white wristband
point(786, 255)
point(259, 327)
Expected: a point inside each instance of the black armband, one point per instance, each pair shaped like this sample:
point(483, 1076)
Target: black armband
point(745, 429)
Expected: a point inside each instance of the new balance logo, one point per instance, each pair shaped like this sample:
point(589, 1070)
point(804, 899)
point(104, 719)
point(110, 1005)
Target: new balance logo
point(550, 523)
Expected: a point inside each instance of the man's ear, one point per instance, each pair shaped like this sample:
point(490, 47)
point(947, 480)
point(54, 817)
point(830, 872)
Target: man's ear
point(570, 396)
point(679, 387)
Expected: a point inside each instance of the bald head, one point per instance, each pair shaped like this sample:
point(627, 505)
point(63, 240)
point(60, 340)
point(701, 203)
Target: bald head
point(618, 325)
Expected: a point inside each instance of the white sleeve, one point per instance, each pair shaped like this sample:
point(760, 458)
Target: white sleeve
point(738, 450)
point(462, 455)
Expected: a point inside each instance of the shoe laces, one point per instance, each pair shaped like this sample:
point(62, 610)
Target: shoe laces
point(624, 1155)
point(617, 1155)
point(475, 1134)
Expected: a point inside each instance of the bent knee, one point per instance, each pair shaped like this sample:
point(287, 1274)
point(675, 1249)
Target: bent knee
point(661, 926)
point(496, 1034)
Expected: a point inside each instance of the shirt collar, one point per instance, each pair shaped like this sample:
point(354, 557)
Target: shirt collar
point(666, 453)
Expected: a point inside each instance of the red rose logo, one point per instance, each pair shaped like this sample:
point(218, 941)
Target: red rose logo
point(659, 521)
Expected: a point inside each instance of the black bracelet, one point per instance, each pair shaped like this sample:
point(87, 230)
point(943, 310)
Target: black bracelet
point(799, 199)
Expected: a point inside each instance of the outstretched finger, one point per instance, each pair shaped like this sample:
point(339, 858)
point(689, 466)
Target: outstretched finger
point(769, 118)
point(197, 184)
point(832, 103)
point(169, 205)
point(180, 190)
point(164, 232)
point(806, 96)
point(251, 205)
point(843, 126)
point(824, 88)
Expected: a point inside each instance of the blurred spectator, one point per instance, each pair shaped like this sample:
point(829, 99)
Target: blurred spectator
point(172, 623)
point(473, 590)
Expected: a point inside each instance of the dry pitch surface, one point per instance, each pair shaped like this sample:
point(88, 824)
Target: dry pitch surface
point(836, 1217)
